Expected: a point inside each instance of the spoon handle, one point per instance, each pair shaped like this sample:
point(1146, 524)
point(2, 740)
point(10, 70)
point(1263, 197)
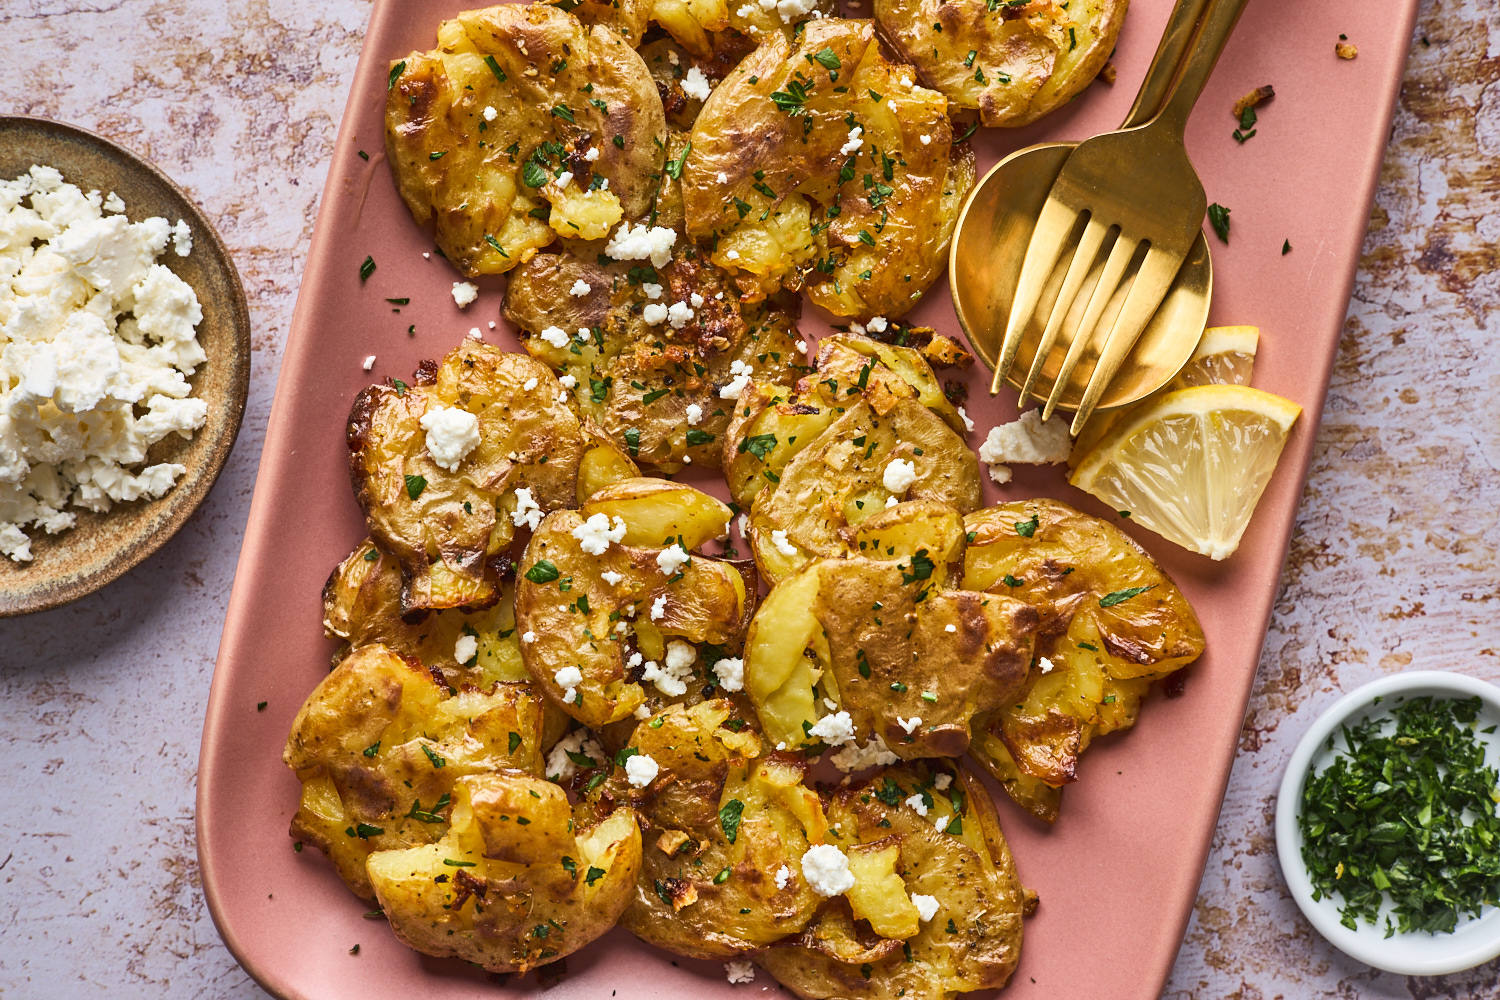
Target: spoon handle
point(1218, 23)
point(1170, 53)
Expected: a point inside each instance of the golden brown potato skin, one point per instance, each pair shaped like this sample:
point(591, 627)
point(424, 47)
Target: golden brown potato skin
point(1103, 656)
point(454, 166)
point(973, 942)
point(626, 18)
point(637, 380)
point(866, 230)
point(518, 881)
point(1013, 63)
point(379, 744)
point(705, 766)
point(443, 525)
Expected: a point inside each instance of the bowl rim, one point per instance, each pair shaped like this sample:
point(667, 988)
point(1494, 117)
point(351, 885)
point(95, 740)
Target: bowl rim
point(203, 478)
point(1448, 953)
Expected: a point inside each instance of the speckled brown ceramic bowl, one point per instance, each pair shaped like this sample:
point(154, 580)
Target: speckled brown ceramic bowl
point(102, 547)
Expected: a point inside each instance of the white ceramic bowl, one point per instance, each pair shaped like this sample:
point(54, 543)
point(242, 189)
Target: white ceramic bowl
point(1474, 941)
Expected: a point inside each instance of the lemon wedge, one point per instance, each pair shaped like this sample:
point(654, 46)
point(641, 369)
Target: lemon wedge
point(1192, 464)
point(1225, 355)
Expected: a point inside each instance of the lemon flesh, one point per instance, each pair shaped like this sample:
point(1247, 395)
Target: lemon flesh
point(1192, 465)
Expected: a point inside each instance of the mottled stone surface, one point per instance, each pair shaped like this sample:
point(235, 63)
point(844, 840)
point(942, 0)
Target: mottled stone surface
point(101, 703)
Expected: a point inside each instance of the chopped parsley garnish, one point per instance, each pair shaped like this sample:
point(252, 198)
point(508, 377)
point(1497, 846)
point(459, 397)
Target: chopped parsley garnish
point(697, 437)
point(533, 174)
point(1027, 528)
point(415, 485)
point(435, 759)
point(759, 445)
point(1218, 217)
point(1110, 600)
point(594, 875)
point(542, 571)
point(1286, 247)
point(366, 269)
point(921, 568)
point(827, 58)
point(674, 167)
point(515, 741)
point(729, 819)
point(396, 72)
point(365, 831)
point(495, 68)
point(793, 99)
point(437, 155)
point(562, 111)
point(1406, 810)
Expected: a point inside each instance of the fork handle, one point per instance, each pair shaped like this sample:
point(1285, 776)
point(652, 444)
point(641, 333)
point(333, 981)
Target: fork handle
point(1182, 24)
point(1217, 25)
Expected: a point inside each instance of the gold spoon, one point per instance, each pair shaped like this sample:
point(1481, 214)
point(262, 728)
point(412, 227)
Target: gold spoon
point(989, 246)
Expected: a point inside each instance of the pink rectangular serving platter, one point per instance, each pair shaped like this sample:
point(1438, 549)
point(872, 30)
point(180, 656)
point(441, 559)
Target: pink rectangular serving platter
point(1119, 872)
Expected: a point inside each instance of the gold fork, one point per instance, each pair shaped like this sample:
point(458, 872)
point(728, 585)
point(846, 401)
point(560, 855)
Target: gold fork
point(1139, 183)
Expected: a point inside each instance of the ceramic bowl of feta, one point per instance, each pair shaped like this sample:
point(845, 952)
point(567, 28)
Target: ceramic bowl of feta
point(124, 361)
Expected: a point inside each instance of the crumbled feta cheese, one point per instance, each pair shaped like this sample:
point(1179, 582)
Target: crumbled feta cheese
point(452, 432)
point(731, 673)
point(784, 877)
point(1026, 441)
point(941, 823)
point(695, 84)
point(739, 971)
point(592, 156)
point(568, 678)
point(1045, 664)
point(695, 300)
point(672, 559)
point(640, 242)
point(694, 414)
point(916, 802)
point(474, 333)
point(891, 502)
point(612, 578)
point(567, 381)
point(182, 238)
point(673, 58)
point(826, 869)
point(778, 539)
point(899, 475)
point(659, 608)
point(835, 730)
point(560, 766)
point(942, 781)
point(490, 114)
point(640, 770)
point(564, 179)
point(654, 313)
point(723, 177)
point(950, 627)
point(927, 906)
point(679, 315)
point(746, 11)
point(465, 292)
point(529, 384)
point(113, 203)
point(926, 140)
point(555, 336)
point(580, 288)
point(528, 637)
point(642, 712)
point(492, 324)
point(740, 374)
point(791, 10)
point(855, 143)
point(856, 758)
point(731, 255)
point(910, 725)
point(744, 525)
point(652, 289)
point(877, 325)
point(583, 333)
point(466, 648)
point(964, 416)
point(369, 363)
point(527, 512)
point(595, 534)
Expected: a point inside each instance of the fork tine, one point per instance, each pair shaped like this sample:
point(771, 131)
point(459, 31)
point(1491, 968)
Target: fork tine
point(1152, 282)
point(1114, 269)
point(1078, 269)
point(1053, 228)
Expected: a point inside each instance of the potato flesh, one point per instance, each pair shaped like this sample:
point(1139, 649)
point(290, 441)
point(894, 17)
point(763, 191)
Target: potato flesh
point(784, 171)
point(505, 894)
point(657, 513)
point(1101, 659)
point(453, 165)
point(366, 744)
point(1013, 65)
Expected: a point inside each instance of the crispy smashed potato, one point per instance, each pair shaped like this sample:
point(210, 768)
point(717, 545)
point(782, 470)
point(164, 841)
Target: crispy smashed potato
point(832, 169)
point(878, 645)
point(379, 744)
point(720, 823)
point(655, 389)
point(517, 882)
point(1110, 623)
point(611, 599)
point(811, 463)
point(1013, 61)
point(491, 133)
point(911, 834)
point(444, 524)
point(724, 30)
point(626, 18)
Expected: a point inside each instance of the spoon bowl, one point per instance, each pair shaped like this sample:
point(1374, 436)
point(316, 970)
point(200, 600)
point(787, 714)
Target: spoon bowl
point(984, 269)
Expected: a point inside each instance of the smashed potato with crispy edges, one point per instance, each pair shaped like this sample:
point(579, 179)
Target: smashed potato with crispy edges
point(719, 824)
point(831, 169)
point(491, 133)
point(607, 604)
point(379, 744)
point(517, 882)
point(626, 18)
point(812, 463)
point(912, 833)
point(656, 389)
point(724, 30)
point(878, 644)
point(1013, 61)
point(443, 524)
point(1111, 622)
